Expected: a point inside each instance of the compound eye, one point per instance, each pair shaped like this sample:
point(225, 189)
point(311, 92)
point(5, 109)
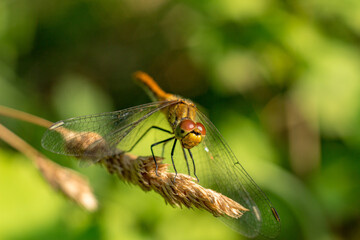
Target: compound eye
point(201, 128)
point(187, 125)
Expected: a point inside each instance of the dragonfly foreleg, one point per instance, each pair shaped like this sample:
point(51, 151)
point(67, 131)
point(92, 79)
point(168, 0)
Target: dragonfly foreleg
point(172, 158)
point(186, 160)
point(163, 149)
point(153, 155)
point(146, 132)
point(192, 159)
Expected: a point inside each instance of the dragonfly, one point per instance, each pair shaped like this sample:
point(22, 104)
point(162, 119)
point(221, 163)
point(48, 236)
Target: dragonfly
point(173, 119)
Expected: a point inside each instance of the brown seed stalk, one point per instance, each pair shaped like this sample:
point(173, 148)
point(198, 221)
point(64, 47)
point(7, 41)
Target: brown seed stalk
point(71, 184)
point(138, 170)
point(184, 191)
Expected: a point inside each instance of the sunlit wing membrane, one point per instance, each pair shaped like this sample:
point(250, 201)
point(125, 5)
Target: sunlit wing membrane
point(220, 170)
point(96, 136)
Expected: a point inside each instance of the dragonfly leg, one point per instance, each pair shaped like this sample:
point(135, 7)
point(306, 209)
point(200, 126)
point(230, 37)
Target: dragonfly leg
point(186, 160)
point(163, 149)
point(146, 132)
point(172, 158)
point(193, 164)
point(153, 155)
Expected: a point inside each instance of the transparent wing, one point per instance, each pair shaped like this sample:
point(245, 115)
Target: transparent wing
point(96, 136)
point(219, 170)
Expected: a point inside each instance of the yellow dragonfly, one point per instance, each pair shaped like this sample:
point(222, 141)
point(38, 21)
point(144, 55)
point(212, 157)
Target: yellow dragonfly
point(173, 119)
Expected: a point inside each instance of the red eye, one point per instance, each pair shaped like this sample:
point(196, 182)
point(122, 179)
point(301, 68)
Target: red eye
point(201, 128)
point(187, 125)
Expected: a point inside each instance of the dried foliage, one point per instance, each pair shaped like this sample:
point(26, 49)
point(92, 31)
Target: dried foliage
point(71, 184)
point(180, 191)
point(183, 191)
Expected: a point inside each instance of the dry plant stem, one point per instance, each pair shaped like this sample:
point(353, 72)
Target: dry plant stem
point(134, 169)
point(183, 192)
point(71, 184)
point(9, 112)
point(141, 171)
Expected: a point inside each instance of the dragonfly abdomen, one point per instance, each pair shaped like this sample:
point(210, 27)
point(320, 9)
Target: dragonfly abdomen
point(151, 87)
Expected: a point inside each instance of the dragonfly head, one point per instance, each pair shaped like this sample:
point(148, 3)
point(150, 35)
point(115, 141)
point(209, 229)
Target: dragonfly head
point(190, 133)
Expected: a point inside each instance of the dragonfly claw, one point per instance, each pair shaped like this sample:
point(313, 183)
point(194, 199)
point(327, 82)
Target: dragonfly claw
point(174, 179)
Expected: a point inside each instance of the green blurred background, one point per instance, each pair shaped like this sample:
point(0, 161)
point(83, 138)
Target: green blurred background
point(280, 80)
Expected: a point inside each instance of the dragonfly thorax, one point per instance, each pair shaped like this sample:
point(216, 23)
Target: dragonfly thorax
point(190, 133)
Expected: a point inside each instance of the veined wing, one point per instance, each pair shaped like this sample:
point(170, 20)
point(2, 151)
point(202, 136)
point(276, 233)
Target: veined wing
point(221, 171)
point(93, 137)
